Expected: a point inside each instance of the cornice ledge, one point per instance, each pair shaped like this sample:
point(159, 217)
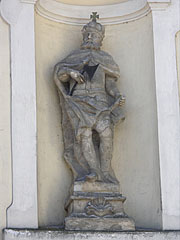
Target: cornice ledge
point(159, 5)
point(125, 11)
point(29, 1)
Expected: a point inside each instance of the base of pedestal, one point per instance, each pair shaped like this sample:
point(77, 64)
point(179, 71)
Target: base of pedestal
point(24, 234)
point(97, 206)
point(99, 224)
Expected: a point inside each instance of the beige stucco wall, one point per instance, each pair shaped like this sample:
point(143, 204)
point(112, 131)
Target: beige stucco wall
point(135, 143)
point(5, 137)
point(54, 178)
point(91, 3)
point(136, 140)
point(177, 39)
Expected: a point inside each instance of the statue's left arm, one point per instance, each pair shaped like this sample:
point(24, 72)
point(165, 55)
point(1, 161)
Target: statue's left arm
point(113, 91)
point(111, 87)
point(112, 75)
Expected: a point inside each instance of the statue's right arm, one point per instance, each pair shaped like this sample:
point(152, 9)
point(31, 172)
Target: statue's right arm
point(64, 74)
point(61, 73)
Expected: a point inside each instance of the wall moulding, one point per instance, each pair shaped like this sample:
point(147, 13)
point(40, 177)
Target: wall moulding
point(29, 1)
point(157, 5)
point(23, 211)
point(124, 11)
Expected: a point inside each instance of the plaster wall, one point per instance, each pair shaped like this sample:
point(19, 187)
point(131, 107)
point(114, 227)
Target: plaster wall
point(92, 2)
point(178, 58)
point(5, 135)
point(135, 159)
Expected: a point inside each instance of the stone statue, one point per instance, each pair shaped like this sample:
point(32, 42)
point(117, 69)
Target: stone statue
point(91, 105)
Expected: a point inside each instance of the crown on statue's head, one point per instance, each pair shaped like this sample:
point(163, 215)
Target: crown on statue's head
point(93, 26)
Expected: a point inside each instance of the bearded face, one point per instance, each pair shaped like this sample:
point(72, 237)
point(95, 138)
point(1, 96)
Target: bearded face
point(92, 40)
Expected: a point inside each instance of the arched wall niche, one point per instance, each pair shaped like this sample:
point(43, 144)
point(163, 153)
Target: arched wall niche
point(135, 158)
point(111, 12)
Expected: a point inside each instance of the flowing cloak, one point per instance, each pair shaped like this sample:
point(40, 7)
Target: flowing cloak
point(79, 112)
point(84, 111)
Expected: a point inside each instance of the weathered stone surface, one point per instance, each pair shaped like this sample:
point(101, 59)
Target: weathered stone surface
point(14, 234)
point(97, 210)
point(96, 187)
point(95, 204)
point(99, 224)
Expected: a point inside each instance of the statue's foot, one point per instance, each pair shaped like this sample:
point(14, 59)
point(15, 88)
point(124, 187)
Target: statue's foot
point(91, 177)
point(109, 178)
point(80, 179)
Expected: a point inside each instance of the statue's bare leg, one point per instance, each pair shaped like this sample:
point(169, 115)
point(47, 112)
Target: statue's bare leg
point(89, 154)
point(106, 148)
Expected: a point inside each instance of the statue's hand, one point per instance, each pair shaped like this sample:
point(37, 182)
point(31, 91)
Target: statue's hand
point(86, 60)
point(77, 76)
point(121, 100)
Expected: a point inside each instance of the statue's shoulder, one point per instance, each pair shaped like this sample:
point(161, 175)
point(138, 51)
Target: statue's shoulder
point(74, 52)
point(74, 55)
point(103, 53)
point(108, 60)
point(106, 57)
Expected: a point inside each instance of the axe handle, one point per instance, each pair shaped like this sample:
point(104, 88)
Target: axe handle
point(82, 72)
point(75, 84)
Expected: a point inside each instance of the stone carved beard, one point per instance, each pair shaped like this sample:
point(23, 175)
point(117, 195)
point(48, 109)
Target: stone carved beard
point(91, 45)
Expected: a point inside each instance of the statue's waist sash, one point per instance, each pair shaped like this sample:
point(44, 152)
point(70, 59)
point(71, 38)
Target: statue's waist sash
point(90, 91)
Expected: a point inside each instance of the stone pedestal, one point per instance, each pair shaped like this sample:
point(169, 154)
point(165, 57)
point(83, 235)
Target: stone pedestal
point(97, 206)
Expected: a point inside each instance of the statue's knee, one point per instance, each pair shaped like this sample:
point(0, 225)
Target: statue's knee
point(107, 133)
point(87, 133)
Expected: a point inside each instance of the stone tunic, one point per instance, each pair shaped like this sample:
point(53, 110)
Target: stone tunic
point(88, 107)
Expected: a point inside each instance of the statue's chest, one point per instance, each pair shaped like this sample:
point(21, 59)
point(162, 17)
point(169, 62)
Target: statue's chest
point(98, 79)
